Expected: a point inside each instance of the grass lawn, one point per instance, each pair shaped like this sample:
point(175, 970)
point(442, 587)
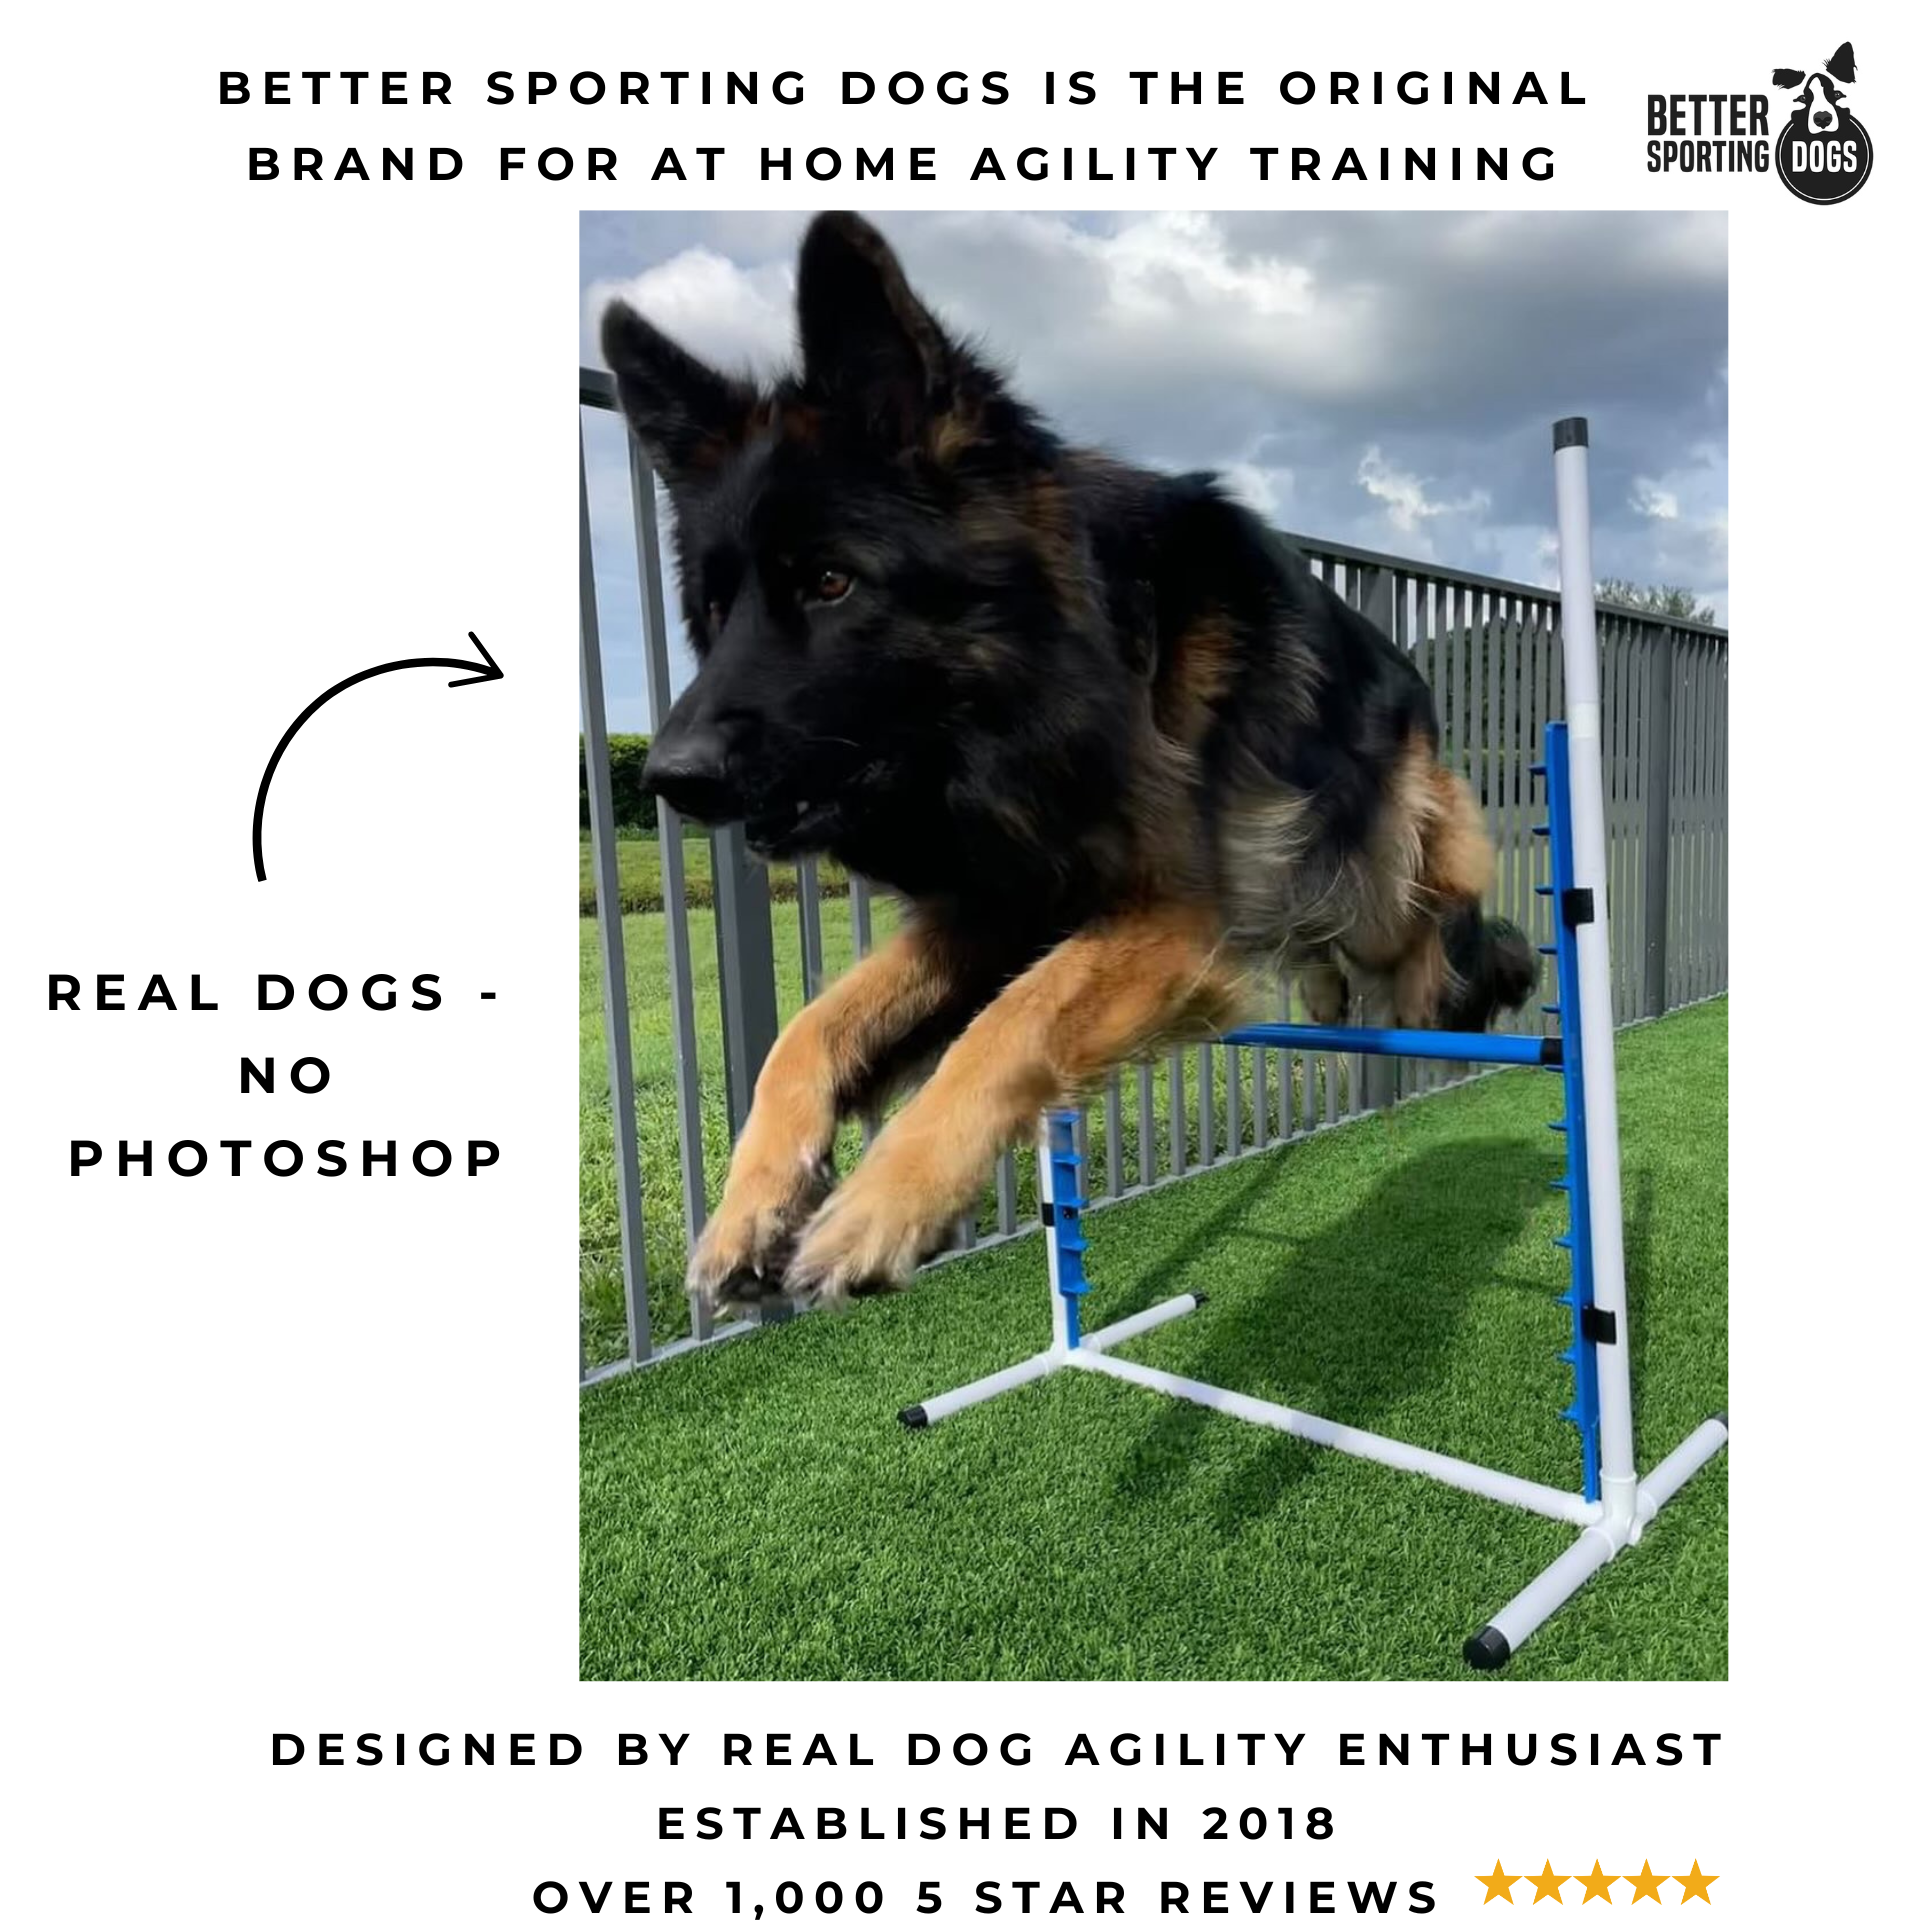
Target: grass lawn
point(755, 1511)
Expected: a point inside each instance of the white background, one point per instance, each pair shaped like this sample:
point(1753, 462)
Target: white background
point(300, 1455)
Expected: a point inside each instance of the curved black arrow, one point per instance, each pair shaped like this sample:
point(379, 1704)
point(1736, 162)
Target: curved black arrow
point(473, 669)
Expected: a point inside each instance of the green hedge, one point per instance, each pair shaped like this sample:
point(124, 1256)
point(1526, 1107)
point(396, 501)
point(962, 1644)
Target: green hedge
point(627, 761)
point(641, 891)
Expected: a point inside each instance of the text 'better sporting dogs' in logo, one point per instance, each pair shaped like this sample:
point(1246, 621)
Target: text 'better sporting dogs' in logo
point(1823, 153)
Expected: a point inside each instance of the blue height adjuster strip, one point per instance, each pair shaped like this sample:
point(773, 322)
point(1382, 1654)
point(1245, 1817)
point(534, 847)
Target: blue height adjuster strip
point(1069, 1244)
point(1581, 1355)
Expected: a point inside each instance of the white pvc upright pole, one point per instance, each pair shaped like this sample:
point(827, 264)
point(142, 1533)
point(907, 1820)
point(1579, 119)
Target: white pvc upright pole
point(1581, 651)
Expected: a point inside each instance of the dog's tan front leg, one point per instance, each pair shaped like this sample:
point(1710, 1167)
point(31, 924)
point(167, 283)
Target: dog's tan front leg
point(1103, 996)
point(780, 1170)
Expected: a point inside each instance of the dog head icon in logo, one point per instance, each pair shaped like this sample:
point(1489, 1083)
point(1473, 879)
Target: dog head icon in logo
point(1823, 153)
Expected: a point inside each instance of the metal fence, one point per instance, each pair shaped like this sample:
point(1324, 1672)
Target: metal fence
point(703, 989)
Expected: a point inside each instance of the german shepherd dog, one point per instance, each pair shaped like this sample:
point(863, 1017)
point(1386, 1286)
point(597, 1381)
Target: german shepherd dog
point(1108, 739)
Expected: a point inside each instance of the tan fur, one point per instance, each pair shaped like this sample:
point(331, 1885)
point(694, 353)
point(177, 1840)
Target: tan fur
point(950, 436)
point(1420, 977)
point(779, 1161)
point(1197, 679)
point(1104, 996)
point(1458, 856)
point(1433, 855)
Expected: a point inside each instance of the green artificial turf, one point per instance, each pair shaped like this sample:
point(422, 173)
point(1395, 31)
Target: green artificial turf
point(755, 1511)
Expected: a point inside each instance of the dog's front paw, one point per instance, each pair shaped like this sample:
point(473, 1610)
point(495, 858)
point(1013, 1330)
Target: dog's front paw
point(743, 1251)
point(868, 1238)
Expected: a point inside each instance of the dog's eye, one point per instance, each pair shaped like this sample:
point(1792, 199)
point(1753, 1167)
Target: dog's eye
point(830, 584)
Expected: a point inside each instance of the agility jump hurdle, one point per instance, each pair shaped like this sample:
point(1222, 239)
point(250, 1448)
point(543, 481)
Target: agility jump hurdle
point(1615, 1503)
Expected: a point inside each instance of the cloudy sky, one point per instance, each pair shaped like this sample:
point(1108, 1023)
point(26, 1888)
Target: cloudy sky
point(1384, 379)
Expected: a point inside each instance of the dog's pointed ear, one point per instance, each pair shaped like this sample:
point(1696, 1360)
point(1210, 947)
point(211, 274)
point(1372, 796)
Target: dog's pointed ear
point(684, 413)
point(866, 342)
point(1787, 76)
point(1841, 65)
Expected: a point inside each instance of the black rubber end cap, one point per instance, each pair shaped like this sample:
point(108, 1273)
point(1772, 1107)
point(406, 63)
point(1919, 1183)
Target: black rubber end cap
point(1488, 1650)
point(1570, 433)
point(1553, 1051)
point(1721, 1416)
point(913, 1416)
point(1199, 1299)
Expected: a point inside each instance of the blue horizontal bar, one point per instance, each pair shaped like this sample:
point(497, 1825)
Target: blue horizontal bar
point(1405, 1043)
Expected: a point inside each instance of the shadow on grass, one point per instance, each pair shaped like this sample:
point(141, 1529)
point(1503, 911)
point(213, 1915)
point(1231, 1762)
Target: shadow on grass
point(1348, 1319)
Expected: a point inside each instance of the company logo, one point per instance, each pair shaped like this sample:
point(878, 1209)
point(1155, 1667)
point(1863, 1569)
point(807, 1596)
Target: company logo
point(1824, 152)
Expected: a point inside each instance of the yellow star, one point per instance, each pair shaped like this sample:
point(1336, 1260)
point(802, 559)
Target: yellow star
point(1547, 1884)
point(1646, 1884)
point(1596, 1884)
point(1696, 1884)
point(1496, 1883)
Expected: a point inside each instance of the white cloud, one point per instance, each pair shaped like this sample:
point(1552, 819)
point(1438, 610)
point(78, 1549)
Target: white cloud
point(1656, 502)
point(1269, 491)
point(731, 316)
point(1408, 502)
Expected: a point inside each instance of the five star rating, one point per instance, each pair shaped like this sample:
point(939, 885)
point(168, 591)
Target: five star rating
point(1598, 1885)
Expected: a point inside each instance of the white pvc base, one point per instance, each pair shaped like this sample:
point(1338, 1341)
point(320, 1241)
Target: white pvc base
point(1601, 1538)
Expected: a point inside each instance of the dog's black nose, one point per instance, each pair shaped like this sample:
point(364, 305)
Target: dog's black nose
point(1821, 118)
point(688, 770)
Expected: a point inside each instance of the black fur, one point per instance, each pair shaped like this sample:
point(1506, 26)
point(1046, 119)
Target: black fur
point(1058, 686)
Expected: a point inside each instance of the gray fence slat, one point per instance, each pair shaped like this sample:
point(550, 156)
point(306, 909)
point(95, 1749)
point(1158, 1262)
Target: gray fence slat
point(1690, 836)
point(1700, 832)
point(1723, 737)
point(1633, 945)
point(1005, 1192)
point(1683, 821)
point(1149, 1147)
point(860, 900)
point(1478, 633)
point(1626, 946)
point(1429, 626)
point(1610, 752)
point(1206, 1105)
point(673, 873)
point(860, 906)
point(743, 931)
point(1716, 741)
point(813, 957)
point(1116, 1166)
point(613, 948)
point(1456, 727)
point(749, 998)
point(1176, 1113)
point(1543, 919)
point(1526, 786)
point(1682, 922)
point(1643, 681)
